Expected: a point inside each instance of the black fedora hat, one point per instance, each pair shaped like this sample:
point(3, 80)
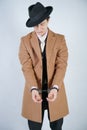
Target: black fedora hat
point(37, 14)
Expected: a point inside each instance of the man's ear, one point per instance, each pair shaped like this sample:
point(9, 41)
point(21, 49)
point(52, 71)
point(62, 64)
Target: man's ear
point(48, 18)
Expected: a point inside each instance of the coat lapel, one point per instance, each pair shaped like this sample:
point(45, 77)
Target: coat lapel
point(36, 47)
point(49, 46)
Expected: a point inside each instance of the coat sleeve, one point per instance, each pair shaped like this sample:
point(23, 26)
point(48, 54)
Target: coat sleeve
point(60, 63)
point(27, 66)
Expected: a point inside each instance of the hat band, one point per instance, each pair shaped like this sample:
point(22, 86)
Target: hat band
point(38, 16)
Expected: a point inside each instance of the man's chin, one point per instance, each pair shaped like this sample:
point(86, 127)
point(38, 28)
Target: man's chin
point(40, 33)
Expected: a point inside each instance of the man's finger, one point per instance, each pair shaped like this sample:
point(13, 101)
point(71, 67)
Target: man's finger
point(51, 97)
point(37, 99)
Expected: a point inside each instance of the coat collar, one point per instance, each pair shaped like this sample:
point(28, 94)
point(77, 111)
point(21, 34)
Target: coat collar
point(49, 46)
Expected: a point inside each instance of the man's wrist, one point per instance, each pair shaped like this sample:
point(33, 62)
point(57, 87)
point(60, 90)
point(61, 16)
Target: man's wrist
point(55, 87)
point(34, 88)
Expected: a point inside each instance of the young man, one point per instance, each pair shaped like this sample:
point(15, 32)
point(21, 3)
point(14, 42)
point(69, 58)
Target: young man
point(43, 55)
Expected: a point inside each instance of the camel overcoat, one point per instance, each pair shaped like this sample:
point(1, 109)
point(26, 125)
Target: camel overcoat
point(31, 60)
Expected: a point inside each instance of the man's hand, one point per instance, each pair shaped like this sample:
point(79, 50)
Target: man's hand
point(52, 95)
point(36, 97)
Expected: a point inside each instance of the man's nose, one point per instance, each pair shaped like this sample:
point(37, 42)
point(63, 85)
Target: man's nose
point(39, 28)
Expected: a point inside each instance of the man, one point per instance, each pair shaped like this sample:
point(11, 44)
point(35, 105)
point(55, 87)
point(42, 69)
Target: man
point(43, 55)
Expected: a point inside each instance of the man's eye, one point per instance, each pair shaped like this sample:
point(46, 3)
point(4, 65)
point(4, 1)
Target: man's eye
point(42, 23)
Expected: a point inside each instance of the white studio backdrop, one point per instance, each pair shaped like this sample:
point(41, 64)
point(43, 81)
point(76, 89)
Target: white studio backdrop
point(68, 18)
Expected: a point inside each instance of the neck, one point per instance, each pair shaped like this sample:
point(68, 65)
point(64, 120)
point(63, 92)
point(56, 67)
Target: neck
point(45, 34)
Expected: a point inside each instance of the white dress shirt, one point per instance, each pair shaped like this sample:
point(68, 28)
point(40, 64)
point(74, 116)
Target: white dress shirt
point(42, 40)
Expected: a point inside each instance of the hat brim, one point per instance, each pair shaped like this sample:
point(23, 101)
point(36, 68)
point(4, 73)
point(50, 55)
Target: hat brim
point(31, 23)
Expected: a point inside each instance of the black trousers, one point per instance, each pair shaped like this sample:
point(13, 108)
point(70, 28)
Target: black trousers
point(55, 125)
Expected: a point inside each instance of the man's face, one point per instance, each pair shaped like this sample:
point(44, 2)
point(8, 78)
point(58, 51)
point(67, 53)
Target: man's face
point(41, 28)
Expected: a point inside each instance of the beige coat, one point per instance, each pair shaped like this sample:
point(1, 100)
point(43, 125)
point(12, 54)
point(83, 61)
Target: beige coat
point(31, 60)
